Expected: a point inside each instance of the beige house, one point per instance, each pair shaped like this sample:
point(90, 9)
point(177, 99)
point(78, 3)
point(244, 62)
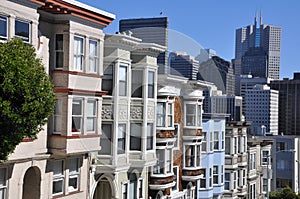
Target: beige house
point(68, 38)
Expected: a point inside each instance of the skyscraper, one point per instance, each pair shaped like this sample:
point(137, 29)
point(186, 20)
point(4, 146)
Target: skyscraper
point(150, 30)
point(257, 50)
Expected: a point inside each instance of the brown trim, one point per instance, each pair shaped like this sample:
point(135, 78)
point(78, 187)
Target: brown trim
point(28, 139)
point(76, 73)
point(80, 92)
point(75, 136)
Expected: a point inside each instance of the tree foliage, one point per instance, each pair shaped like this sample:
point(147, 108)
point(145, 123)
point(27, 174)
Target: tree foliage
point(26, 95)
point(285, 193)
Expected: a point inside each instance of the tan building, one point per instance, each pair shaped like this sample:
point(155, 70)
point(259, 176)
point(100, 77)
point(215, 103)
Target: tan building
point(68, 38)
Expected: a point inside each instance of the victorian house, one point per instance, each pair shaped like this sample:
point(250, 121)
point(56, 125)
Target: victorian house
point(69, 40)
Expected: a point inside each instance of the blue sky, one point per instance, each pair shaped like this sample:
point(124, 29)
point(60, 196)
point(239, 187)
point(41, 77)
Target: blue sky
point(212, 24)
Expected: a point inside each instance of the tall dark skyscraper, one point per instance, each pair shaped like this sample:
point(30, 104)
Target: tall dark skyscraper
point(257, 50)
point(150, 30)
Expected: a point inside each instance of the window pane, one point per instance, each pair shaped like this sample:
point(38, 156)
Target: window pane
point(93, 58)
point(137, 83)
point(78, 53)
point(57, 116)
point(58, 168)
point(151, 84)
point(91, 115)
point(122, 80)
point(190, 115)
point(76, 115)
point(107, 81)
point(3, 27)
point(121, 138)
point(2, 177)
point(73, 183)
point(22, 30)
point(74, 165)
point(159, 167)
point(59, 50)
point(57, 186)
point(149, 136)
point(160, 114)
point(135, 136)
point(105, 140)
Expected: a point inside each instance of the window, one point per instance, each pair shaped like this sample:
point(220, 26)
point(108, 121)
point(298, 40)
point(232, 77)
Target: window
point(227, 148)
point(216, 140)
point(140, 188)
point(235, 145)
point(132, 186)
point(107, 80)
point(227, 181)
point(151, 84)
point(204, 142)
point(252, 191)
point(3, 183)
point(93, 56)
point(210, 177)
point(198, 155)
point(252, 164)
point(235, 178)
point(222, 174)
point(190, 115)
point(78, 54)
point(265, 157)
point(280, 146)
point(124, 190)
point(149, 141)
point(135, 136)
point(137, 83)
point(169, 160)
point(58, 177)
point(121, 138)
point(91, 114)
point(164, 161)
point(176, 179)
point(73, 174)
point(215, 175)
point(22, 30)
point(223, 140)
point(3, 28)
point(203, 179)
point(59, 51)
point(176, 135)
point(165, 114)
point(123, 81)
point(77, 115)
point(265, 185)
point(57, 117)
point(211, 144)
point(106, 139)
point(190, 156)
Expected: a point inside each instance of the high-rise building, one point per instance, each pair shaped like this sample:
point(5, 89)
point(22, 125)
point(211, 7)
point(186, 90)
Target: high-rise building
point(220, 72)
point(261, 109)
point(184, 65)
point(289, 104)
point(150, 30)
point(257, 50)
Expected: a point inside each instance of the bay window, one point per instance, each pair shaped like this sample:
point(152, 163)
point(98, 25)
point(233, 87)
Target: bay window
point(3, 183)
point(59, 51)
point(193, 115)
point(164, 161)
point(77, 115)
point(78, 62)
point(93, 56)
point(121, 138)
point(22, 30)
point(165, 114)
point(73, 174)
point(106, 139)
point(3, 28)
point(192, 155)
point(137, 83)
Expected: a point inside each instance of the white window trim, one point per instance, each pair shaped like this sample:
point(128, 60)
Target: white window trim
point(3, 39)
point(94, 57)
point(5, 187)
point(55, 51)
point(75, 67)
point(57, 115)
point(177, 143)
point(166, 103)
point(196, 155)
point(196, 104)
point(29, 34)
point(140, 184)
point(177, 179)
point(81, 116)
point(59, 177)
point(74, 175)
point(216, 174)
point(125, 183)
point(165, 163)
point(126, 81)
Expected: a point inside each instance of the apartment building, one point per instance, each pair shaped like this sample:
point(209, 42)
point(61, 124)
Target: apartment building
point(68, 38)
point(211, 185)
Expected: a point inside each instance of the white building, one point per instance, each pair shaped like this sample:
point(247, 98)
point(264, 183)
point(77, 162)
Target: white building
point(261, 109)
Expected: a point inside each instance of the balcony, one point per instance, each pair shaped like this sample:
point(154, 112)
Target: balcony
point(192, 175)
point(161, 182)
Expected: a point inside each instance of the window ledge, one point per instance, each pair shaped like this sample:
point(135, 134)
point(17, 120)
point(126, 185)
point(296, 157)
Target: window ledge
point(64, 195)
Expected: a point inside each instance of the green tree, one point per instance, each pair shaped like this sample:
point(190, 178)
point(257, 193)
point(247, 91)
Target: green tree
point(285, 193)
point(26, 95)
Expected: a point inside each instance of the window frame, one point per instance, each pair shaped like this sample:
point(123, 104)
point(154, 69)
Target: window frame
point(196, 115)
point(151, 85)
point(136, 143)
point(215, 175)
point(75, 174)
point(57, 117)
point(177, 136)
point(216, 141)
point(92, 117)
point(166, 162)
point(5, 19)
point(121, 139)
point(150, 136)
point(4, 187)
point(107, 139)
point(29, 30)
point(166, 115)
point(204, 142)
point(79, 55)
point(125, 192)
point(59, 177)
point(203, 179)
point(94, 57)
point(58, 51)
point(123, 81)
point(175, 188)
point(80, 116)
point(195, 154)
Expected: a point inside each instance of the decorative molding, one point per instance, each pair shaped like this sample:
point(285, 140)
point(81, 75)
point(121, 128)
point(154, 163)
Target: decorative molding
point(107, 111)
point(136, 112)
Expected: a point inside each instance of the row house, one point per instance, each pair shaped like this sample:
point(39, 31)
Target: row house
point(211, 185)
point(121, 167)
point(236, 160)
point(259, 167)
point(68, 37)
point(177, 172)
